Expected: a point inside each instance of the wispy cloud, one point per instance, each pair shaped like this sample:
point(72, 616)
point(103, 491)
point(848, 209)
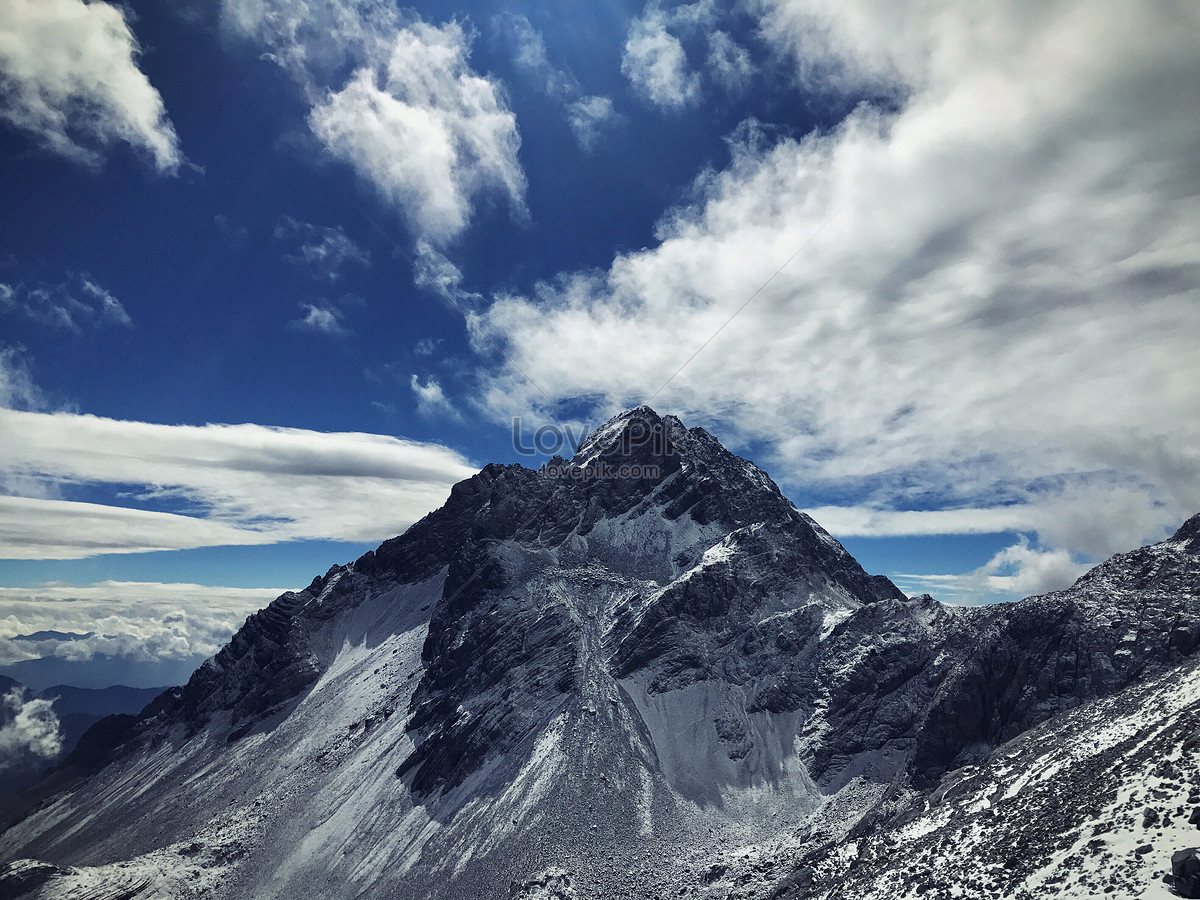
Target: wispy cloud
point(587, 114)
point(237, 484)
point(432, 400)
point(72, 305)
point(17, 387)
point(729, 63)
point(322, 318)
point(426, 346)
point(992, 288)
point(322, 249)
point(40, 528)
point(72, 82)
point(589, 117)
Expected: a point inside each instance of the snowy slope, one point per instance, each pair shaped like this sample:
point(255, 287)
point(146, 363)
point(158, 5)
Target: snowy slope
point(1093, 803)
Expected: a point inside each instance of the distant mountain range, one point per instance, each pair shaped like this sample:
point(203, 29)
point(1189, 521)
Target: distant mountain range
point(53, 636)
point(44, 672)
point(643, 673)
point(76, 710)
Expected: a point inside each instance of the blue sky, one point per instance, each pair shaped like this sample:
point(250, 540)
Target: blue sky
point(274, 274)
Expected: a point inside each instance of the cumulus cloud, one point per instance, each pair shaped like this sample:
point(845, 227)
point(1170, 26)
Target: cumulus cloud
point(1025, 570)
point(138, 621)
point(656, 65)
point(69, 78)
point(412, 118)
point(233, 484)
point(428, 132)
point(320, 248)
point(30, 729)
point(74, 304)
point(982, 294)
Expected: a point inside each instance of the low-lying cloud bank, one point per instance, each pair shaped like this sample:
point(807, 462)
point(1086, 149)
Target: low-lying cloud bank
point(138, 621)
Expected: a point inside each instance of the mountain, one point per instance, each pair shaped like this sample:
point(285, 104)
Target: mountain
point(638, 673)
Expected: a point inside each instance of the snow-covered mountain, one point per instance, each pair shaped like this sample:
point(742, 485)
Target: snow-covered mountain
point(638, 673)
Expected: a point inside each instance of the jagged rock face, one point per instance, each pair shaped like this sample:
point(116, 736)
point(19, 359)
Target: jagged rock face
point(645, 648)
point(1013, 666)
point(695, 548)
point(1100, 801)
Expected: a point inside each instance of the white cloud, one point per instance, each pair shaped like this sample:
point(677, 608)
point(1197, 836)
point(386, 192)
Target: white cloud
point(860, 521)
point(32, 731)
point(432, 400)
point(244, 484)
point(142, 621)
point(322, 318)
point(991, 293)
point(655, 63)
point(426, 131)
point(1094, 517)
point(40, 528)
point(729, 63)
point(71, 305)
point(413, 119)
point(322, 248)
point(69, 77)
point(1024, 570)
point(314, 40)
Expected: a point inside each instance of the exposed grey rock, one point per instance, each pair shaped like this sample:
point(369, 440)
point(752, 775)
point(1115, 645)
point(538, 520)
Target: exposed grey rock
point(1185, 872)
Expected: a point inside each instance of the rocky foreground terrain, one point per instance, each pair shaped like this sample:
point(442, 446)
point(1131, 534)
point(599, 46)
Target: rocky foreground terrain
point(660, 683)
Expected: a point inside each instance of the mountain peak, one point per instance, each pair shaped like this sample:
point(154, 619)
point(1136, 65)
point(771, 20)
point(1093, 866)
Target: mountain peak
point(1189, 533)
point(626, 432)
